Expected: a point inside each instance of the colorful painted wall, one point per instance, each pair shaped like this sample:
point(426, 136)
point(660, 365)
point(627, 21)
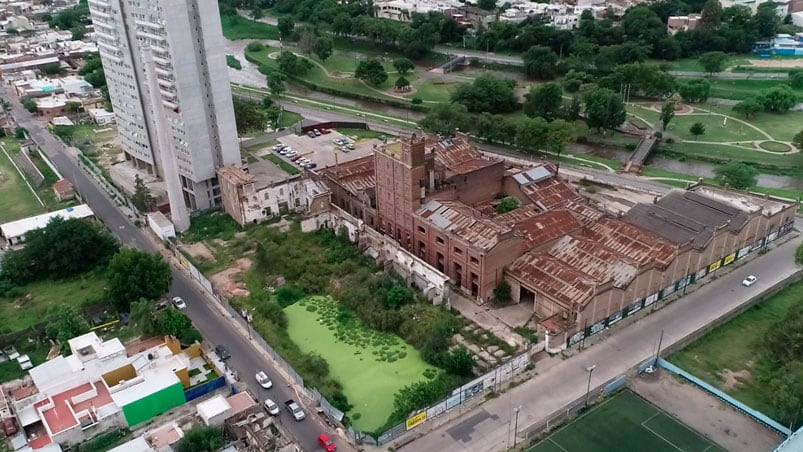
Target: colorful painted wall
point(155, 404)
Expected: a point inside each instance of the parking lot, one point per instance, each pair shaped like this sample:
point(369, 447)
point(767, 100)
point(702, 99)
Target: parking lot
point(323, 151)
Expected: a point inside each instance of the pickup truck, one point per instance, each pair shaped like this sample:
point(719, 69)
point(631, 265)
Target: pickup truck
point(295, 410)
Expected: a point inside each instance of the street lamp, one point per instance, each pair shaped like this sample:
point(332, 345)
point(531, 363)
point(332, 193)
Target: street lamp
point(248, 319)
point(516, 424)
point(590, 370)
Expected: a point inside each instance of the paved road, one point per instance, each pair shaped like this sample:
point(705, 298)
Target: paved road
point(487, 427)
point(216, 329)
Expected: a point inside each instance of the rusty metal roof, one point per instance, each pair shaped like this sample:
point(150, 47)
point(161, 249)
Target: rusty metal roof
point(551, 193)
point(551, 276)
point(354, 176)
point(547, 226)
point(460, 157)
point(635, 243)
point(464, 222)
point(594, 259)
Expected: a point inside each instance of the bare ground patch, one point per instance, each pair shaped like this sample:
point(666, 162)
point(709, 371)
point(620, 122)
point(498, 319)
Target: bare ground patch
point(226, 282)
point(734, 379)
point(705, 413)
point(784, 63)
point(199, 251)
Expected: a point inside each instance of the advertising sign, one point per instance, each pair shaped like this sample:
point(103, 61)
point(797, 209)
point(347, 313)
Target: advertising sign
point(576, 337)
point(714, 266)
point(615, 317)
point(651, 299)
point(743, 252)
point(730, 258)
point(635, 307)
point(415, 420)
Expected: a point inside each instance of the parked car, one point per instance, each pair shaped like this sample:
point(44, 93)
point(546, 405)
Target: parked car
point(327, 443)
point(162, 304)
point(326, 131)
point(285, 150)
point(125, 318)
point(302, 161)
point(291, 154)
point(316, 132)
point(351, 146)
point(310, 165)
point(295, 410)
point(263, 380)
point(339, 141)
point(295, 157)
point(311, 134)
point(179, 303)
point(749, 281)
point(271, 407)
point(222, 352)
point(279, 147)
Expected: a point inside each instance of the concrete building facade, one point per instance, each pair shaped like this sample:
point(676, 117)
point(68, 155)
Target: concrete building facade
point(166, 73)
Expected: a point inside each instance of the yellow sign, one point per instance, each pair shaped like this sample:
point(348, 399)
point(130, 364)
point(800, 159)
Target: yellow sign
point(415, 420)
point(730, 258)
point(714, 266)
point(184, 262)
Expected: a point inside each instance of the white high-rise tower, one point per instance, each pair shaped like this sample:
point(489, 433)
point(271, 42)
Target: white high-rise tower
point(186, 131)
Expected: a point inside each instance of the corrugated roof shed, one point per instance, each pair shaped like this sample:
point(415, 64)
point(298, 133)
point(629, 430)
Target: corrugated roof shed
point(354, 176)
point(462, 221)
point(553, 277)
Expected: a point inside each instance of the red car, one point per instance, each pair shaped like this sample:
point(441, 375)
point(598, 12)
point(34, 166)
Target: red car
point(326, 131)
point(327, 443)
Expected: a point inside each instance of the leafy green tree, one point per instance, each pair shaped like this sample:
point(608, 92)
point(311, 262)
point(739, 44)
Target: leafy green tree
point(201, 439)
point(78, 32)
point(697, 129)
point(695, 91)
point(417, 42)
point(248, 115)
point(51, 69)
point(798, 140)
point(291, 64)
point(502, 292)
point(371, 71)
point(531, 135)
point(398, 296)
point(796, 79)
point(544, 101)
point(403, 65)
point(143, 316)
point(488, 5)
point(711, 15)
point(487, 93)
point(571, 112)
point(61, 249)
point(574, 80)
point(604, 109)
point(540, 62)
point(402, 83)
point(446, 118)
point(323, 47)
point(257, 13)
point(713, 62)
point(174, 323)
point(459, 362)
point(507, 204)
point(778, 99)
point(20, 133)
point(273, 113)
point(142, 198)
point(306, 40)
point(276, 83)
point(286, 27)
point(135, 274)
point(748, 108)
point(342, 24)
point(69, 324)
point(560, 132)
point(667, 113)
point(736, 175)
point(29, 104)
point(765, 20)
point(786, 393)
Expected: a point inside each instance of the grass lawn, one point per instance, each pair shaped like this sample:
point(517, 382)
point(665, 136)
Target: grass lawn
point(19, 312)
point(774, 146)
point(16, 199)
point(233, 62)
point(781, 126)
point(714, 129)
point(372, 366)
point(435, 90)
point(211, 225)
point(723, 153)
point(11, 370)
point(693, 65)
point(361, 134)
point(625, 422)
point(289, 118)
point(737, 346)
point(744, 89)
point(287, 167)
point(238, 27)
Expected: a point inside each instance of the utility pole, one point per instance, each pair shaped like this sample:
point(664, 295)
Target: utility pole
point(516, 425)
point(660, 341)
point(590, 370)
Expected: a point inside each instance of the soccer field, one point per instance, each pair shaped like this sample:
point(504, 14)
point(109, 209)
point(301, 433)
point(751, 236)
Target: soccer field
point(626, 422)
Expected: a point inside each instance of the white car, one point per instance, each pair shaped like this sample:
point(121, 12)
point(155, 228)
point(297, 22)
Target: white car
point(179, 303)
point(263, 380)
point(271, 407)
point(291, 154)
point(749, 281)
point(286, 150)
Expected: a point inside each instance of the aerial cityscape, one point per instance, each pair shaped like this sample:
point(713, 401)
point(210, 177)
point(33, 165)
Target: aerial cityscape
point(419, 225)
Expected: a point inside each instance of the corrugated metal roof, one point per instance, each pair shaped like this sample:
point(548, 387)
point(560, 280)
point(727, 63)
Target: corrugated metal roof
point(464, 222)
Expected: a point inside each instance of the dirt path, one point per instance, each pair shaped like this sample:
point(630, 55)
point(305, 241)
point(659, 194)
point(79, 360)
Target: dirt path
point(703, 412)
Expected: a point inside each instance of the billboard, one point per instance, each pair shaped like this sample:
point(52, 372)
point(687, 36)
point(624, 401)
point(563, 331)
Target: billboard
point(729, 259)
point(715, 266)
point(416, 420)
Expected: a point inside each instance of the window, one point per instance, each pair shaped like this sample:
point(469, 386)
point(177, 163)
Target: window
point(458, 251)
point(439, 240)
point(422, 230)
point(474, 260)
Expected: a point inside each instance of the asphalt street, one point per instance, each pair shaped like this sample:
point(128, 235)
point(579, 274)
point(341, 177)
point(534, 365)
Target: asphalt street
point(246, 360)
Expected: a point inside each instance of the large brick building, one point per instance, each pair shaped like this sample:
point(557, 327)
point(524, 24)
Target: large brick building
point(580, 267)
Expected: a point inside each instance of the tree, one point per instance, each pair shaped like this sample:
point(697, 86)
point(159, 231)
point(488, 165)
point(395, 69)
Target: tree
point(323, 47)
point(72, 107)
point(285, 26)
point(778, 99)
point(135, 274)
point(459, 362)
point(488, 5)
point(444, 119)
point(560, 132)
point(694, 91)
point(571, 112)
point(784, 339)
point(507, 204)
point(51, 69)
point(398, 296)
point(306, 40)
point(291, 64)
point(748, 108)
point(531, 135)
point(540, 62)
point(342, 24)
point(799, 255)
point(20, 133)
point(61, 249)
point(69, 324)
point(78, 32)
point(273, 113)
point(257, 13)
point(765, 20)
point(798, 140)
point(796, 79)
point(604, 109)
point(29, 104)
point(667, 113)
point(403, 65)
point(544, 101)
point(371, 71)
point(713, 62)
point(487, 93)
point(276, 83)
point(697, 129)
point(142, 198)
point(786, 393)
point(736, 175)
point(143, 316)
point(502, 292)
point(248, 115)
point(402, 83)
point(416, 42)
point(201, 439)
point(711, 15)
